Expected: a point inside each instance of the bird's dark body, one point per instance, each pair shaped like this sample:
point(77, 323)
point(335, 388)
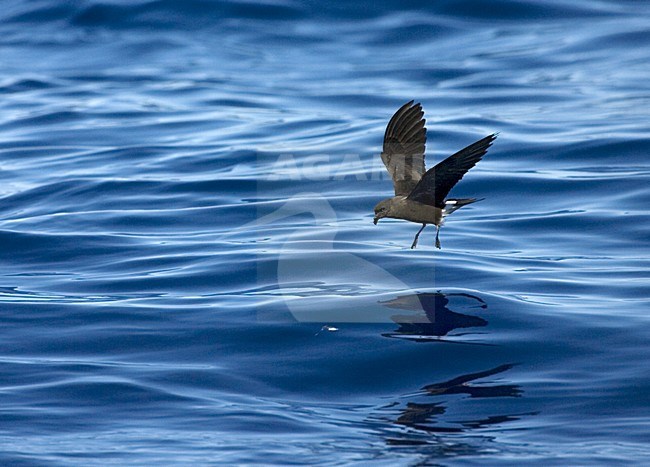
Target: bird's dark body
point(414, 211)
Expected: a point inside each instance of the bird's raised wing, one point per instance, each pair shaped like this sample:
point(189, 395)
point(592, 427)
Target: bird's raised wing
point(437, 182)
point(404, 142)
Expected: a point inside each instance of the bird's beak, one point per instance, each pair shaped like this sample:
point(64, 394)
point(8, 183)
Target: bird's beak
point(375, 220)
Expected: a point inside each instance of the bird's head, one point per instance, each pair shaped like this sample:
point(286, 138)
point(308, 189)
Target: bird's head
point(382, 210)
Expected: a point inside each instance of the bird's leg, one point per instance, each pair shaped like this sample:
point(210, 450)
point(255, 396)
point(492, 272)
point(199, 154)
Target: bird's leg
point(437, 236)
point(415, 240)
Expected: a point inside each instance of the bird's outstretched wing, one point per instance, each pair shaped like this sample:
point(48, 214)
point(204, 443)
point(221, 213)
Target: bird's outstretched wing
point(404, 142)
point(437, 182)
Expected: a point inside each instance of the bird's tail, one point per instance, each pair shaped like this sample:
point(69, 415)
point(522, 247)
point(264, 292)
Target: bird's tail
point(452, 204)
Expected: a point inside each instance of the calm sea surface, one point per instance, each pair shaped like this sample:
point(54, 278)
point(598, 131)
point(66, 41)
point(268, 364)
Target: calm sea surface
point(189, 272)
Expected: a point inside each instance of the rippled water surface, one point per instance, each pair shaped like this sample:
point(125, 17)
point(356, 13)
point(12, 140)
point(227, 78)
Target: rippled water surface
point(189, 272)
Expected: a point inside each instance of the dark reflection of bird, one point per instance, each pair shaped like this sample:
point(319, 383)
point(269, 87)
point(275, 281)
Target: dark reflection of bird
point(460, 385)
point(437, 319)
point(419, 195)
point(415, 414)
point(422, 416)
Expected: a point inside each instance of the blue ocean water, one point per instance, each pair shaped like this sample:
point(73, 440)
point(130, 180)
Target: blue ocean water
point(189, 272)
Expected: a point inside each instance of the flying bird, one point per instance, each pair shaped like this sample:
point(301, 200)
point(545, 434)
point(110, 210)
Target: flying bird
point(421, 196)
